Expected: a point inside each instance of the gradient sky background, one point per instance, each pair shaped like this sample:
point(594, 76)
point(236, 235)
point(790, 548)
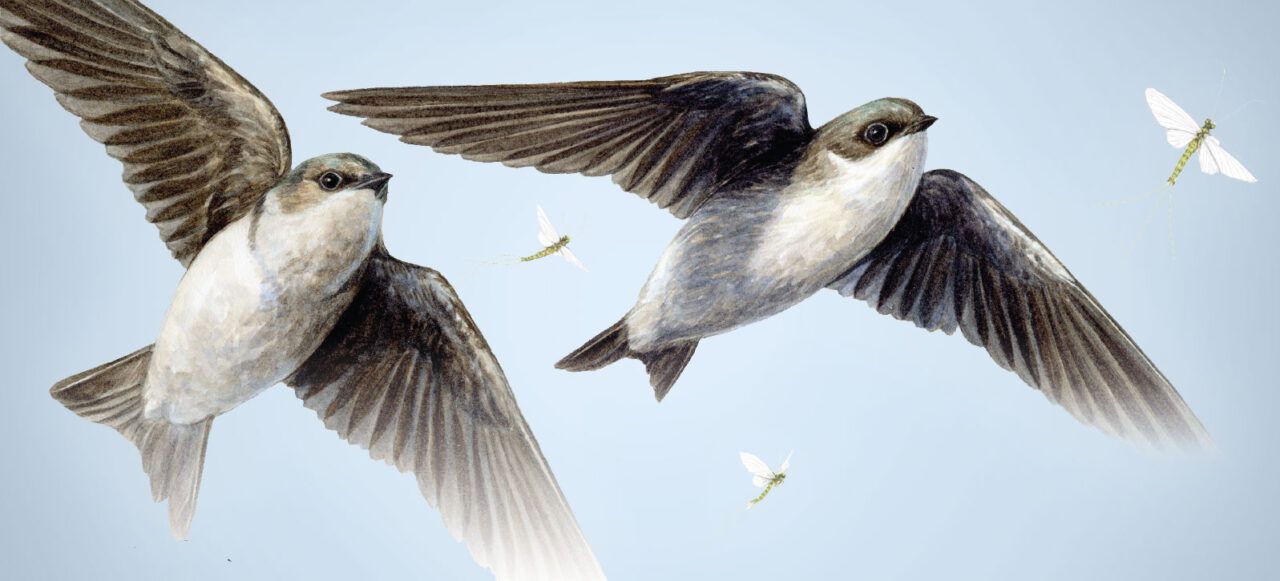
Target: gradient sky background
point(915, 456)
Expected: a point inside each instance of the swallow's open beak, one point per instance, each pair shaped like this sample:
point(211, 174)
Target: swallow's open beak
point(921, 124)
point(376, 182)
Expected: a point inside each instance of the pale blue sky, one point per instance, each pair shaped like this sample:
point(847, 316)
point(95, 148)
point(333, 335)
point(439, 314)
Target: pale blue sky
point(915, 456)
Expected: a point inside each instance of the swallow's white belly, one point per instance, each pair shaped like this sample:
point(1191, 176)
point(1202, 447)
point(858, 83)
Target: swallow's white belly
point(732, 267)
point(246, 315)
point(819, 233)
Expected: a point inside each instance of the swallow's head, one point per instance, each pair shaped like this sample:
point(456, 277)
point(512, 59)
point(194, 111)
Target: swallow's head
point(320, 178)
point(874, 126)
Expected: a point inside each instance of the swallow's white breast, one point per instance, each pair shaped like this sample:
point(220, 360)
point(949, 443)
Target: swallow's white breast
point(821, 229)
point(246, 315)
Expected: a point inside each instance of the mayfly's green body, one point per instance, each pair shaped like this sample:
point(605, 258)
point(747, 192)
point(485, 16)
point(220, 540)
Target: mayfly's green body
point(776, 480)
point(548, 251)
point(1191, 149)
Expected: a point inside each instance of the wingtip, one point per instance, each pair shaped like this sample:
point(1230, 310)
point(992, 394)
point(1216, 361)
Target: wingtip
point(1202, 444)
point(1191, 440)
point(1198, 448)
point(179, 530)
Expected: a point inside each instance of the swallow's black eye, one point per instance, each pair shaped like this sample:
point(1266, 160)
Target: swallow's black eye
point(876, 133)
point(330, 181)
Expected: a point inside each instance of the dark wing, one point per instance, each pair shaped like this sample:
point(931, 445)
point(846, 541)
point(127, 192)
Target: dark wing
point(673, 140)
point(959, 259)
point(407, 375)
point(199, 144)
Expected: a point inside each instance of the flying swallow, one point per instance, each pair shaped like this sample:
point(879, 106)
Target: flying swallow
point(288, 281)
point(776, 210)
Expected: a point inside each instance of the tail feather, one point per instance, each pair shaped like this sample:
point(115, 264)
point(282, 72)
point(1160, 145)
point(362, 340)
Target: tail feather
point(664, 365)
point(607, 347)
point(172, 454)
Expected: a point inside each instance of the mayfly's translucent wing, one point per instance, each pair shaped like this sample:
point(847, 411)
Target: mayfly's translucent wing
point(1214, 159)
point(1181, 128)
point(1208, 164)
point(786, 464)
point(760, 472)
point(547, 234)
point(572, 258)
point(754, 464)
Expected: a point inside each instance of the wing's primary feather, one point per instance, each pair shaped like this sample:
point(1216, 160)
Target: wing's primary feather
point(407, 375)
point(1181, 128)
point(959, 260)
point(674, 140)
point(1223, 161)
point(199, 143)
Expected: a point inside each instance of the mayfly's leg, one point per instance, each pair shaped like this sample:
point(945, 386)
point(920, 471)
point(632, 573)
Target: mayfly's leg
point(1222, 83)
point(1216, 101)
point(1228, 116)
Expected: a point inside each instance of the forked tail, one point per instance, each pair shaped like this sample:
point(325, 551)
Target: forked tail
point(664, 365)
point(172, 454)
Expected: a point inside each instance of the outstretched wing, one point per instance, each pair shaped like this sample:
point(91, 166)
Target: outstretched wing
point(959, 259)
point(407, 375)
point(547, 234)
point(785, 464)
point(1214, 159)
point(199, 143)
point(1181, 128)
point(674, 140)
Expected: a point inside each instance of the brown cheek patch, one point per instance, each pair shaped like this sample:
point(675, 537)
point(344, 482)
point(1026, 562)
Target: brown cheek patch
point(306, 195)
point(852, 148)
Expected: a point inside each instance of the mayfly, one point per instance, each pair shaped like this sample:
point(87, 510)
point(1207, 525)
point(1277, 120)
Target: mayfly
point(552, 242)
point(762, 476)
point(1182, 131)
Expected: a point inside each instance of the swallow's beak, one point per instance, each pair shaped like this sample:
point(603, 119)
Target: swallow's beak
point(376, 182)
point(921, 124)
